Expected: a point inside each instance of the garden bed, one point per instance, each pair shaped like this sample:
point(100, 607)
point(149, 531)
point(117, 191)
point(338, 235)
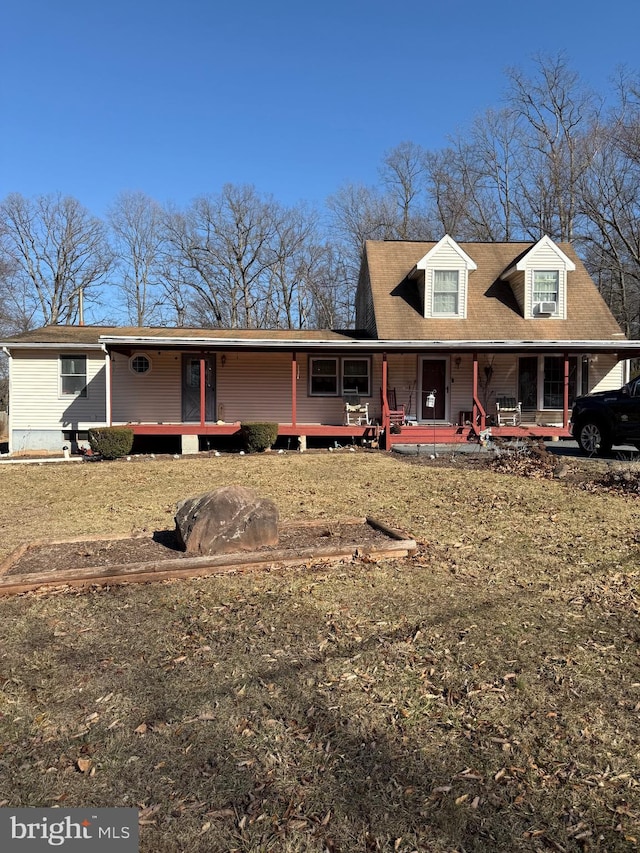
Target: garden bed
point(135, 559)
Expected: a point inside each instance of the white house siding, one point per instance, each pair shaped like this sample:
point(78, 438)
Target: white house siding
point(254, 387)
point(39, 413)
point(605, 374)
point(461, 385)
point(150, 397)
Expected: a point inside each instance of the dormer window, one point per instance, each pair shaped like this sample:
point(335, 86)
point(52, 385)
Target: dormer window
point(446, 292)
point(443, 280)
point(539, 281)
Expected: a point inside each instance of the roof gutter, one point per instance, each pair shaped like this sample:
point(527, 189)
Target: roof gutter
point(348, 344)
point(60, 345)
point(372, 345)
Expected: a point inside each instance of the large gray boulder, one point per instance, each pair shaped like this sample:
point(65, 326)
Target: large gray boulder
point(226, 520)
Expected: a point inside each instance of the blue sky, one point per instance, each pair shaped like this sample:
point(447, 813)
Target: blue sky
point(178, 98)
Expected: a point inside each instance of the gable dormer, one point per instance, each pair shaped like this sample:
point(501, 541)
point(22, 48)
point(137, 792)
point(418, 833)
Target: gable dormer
point(443, 277)
point(539, 281)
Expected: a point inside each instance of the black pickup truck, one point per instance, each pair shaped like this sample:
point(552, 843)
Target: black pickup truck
point(604, 418)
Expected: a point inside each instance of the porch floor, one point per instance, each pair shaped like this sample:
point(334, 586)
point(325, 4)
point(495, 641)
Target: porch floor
point(408, 434)
point(444, 434)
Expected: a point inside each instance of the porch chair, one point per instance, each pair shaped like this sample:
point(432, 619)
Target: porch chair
point(397, 413)
point(508, 411)
point(356, 413)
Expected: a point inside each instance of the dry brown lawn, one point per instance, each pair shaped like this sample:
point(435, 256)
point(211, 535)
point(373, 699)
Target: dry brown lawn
point(482, 696)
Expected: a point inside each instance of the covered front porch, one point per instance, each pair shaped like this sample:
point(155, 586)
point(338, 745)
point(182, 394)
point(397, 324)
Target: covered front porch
point(445, 397)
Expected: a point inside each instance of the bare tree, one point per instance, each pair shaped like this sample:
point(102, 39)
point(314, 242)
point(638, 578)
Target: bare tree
point(446, 187)
point(188, 272)
point(356, 214)
point(496, 145)
point(555, 112)
point(243, 225)
point(136, 224)
point(58, 252)
point(16, 308)
point(404, 176)
point(332, 290)
point(296, 255)
point(610, 201)
point(244, 258)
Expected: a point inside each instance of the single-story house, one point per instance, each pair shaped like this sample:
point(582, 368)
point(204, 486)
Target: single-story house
point(446, 332)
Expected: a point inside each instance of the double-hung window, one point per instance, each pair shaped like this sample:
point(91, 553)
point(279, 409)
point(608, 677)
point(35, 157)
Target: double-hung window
point(355, 376)
point(554, 381)
point(545, 285)
point(73, 375)
point(324, 377)
point(333, 376)
point(446, 292)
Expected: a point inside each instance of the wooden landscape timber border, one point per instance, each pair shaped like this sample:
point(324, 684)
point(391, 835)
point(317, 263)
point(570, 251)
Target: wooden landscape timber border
point(191, 567)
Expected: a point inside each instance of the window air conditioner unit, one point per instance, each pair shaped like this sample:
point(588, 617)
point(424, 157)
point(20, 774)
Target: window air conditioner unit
point(547, 307)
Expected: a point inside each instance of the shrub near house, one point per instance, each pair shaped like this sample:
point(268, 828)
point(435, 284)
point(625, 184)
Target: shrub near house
point(257, 437)
point(111, 442)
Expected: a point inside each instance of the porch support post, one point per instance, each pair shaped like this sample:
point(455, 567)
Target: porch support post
point(565, 393)
point(386, 421)
point(474, 391)
point(109, 387)
point(294, 378)
point(203, 389)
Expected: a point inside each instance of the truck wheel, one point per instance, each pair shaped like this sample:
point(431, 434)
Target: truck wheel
point(592, 439)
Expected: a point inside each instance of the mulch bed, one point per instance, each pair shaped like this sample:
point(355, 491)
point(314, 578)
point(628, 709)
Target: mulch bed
point(141, 558)
point(163, 545)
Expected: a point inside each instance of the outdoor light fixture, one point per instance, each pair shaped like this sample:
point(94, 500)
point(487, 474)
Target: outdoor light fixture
point(458, 361)
point(223, 360)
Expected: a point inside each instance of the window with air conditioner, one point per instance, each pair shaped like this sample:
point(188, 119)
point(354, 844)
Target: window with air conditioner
point(546, 285)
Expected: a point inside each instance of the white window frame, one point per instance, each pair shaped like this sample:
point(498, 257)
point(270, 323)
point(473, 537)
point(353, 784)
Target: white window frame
point(545, 295)
point(435, 292)
point(84, 391)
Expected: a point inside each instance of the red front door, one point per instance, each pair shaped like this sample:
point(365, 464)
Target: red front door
point(434, 381)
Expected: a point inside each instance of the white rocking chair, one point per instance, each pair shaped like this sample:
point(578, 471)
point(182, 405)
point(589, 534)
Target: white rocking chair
point(508, 411)
point(356, 413)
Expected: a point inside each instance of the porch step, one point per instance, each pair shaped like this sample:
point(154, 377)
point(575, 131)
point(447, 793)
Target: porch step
point(432, 435)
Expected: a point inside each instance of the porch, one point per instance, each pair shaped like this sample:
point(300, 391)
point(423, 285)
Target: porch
point(279, 389)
